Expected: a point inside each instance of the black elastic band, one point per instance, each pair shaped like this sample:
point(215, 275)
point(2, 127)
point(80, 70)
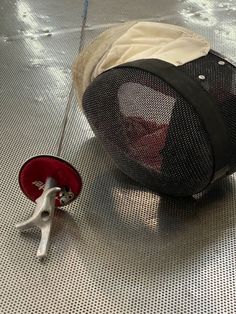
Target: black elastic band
point(202, 102)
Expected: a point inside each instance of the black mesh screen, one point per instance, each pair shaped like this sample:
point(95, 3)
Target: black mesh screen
point(220, 82)
point(152, 134)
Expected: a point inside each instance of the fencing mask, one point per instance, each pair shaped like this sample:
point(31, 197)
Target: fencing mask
point(162, 103)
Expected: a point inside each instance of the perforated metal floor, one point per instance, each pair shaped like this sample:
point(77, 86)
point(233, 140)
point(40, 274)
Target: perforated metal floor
point(118, 248)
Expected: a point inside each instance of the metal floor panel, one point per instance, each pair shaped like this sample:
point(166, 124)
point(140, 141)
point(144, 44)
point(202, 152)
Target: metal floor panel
point(119, 248)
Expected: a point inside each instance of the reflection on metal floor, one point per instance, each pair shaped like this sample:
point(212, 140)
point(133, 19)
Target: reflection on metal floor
point(118, 248)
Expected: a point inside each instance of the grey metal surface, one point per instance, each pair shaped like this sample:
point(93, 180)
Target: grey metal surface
point(118, 248)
